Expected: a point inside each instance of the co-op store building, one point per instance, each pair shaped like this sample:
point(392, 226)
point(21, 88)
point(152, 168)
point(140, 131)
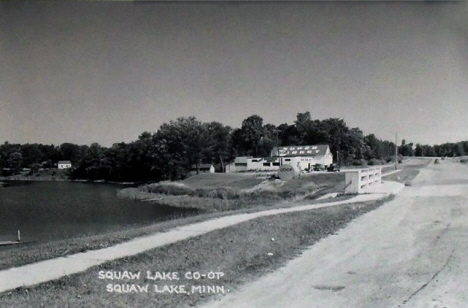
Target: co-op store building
point(303, 157)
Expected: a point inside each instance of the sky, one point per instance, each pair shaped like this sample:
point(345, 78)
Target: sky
point(105, 72)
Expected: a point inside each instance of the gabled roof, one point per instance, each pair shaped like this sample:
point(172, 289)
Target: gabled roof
point(301, 150)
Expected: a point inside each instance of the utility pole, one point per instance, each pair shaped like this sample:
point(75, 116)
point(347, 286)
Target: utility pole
point(396, 151)
point(277, 141)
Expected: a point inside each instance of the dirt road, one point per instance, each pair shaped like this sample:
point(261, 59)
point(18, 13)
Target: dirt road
point(411, 252)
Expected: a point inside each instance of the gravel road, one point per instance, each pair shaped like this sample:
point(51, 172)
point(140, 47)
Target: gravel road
point(411, 252)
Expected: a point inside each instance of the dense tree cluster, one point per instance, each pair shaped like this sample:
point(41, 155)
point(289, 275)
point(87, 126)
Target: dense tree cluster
point(186, 143)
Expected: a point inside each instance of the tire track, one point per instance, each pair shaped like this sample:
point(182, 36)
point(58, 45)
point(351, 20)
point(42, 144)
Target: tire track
point(429, 281)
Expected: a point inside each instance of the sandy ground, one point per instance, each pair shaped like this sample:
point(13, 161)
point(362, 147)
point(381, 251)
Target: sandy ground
point(52, 269)
point(411, 252)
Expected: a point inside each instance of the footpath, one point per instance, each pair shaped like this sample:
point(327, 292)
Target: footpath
point(44, 271)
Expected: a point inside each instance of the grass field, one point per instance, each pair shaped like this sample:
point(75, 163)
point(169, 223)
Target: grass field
point(236, 181)
point(242, 253)
point(224, 192)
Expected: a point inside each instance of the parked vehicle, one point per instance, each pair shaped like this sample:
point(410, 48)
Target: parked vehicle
point(333, 168)
point(319, 167)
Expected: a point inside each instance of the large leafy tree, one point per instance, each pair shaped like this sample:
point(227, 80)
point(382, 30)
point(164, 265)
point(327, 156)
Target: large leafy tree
point(220, 144)
point(11, 156)
point(178, 145)
point(71, 152)
point(254, 138)
point(374, 147)
point(252, 132)
point(406, 149)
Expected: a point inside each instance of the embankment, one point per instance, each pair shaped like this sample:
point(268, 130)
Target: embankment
point(224, 192)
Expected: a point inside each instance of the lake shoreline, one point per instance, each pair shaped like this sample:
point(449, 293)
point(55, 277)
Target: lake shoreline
point(49, 179)
point(46, 211)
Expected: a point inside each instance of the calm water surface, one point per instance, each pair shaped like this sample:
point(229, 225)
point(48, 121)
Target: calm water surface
point(46, 211)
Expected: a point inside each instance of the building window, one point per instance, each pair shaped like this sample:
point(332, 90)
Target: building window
point(275, 164)
point(240, 164)
point(266, 165)
point(287, 159)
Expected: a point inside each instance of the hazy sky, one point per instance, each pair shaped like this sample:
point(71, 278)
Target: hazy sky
point(105, 72)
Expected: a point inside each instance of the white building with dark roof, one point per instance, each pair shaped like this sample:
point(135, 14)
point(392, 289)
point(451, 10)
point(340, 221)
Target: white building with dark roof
point(64, 164)
point(303, 157)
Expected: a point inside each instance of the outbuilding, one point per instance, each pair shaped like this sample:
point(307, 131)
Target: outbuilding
point(249, 163)
point(202, 168)
point(64, 164)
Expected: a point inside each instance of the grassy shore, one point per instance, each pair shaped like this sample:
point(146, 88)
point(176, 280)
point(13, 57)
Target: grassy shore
point(43, 175)
point(34, 252)
point(225, 192)
point(242, 253)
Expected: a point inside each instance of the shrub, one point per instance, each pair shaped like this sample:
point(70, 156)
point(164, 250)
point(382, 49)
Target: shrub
point(360, 162)
point(166, 189)
point(375, 162)
point(220, 193)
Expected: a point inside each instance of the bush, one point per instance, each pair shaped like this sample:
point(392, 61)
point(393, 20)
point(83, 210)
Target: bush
point(166, 189)
point(375, 162)
point(220, 193)
point(360, 162)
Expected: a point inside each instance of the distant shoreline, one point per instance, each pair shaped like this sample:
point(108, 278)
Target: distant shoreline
point(32, 179)
point(50, 179)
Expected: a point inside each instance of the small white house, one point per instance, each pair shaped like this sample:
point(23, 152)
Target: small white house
point(64, 164)
point(202, 168)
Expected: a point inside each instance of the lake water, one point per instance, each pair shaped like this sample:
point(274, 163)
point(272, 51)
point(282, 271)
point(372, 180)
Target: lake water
point(46, 211)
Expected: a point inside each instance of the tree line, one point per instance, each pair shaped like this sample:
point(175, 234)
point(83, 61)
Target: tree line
point(185, 143)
